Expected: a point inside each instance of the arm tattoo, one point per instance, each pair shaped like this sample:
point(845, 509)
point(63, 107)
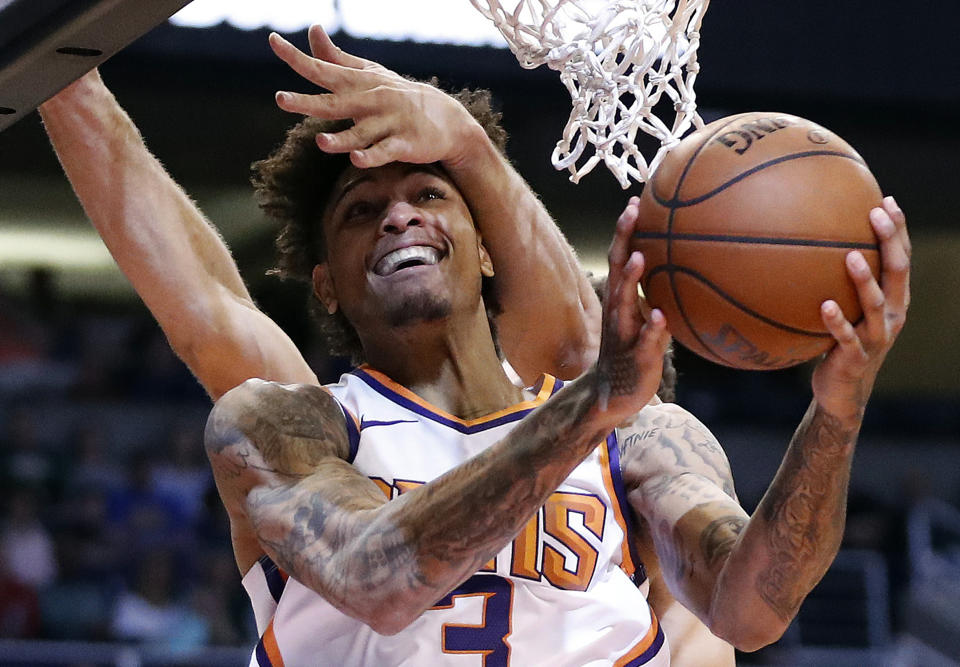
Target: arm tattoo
point(805, 509)
point(718, 538)
point(316, 521)
point(679, 435)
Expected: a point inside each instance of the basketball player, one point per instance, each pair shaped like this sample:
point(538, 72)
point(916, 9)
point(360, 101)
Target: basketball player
point(145, 178)
point(182, 270)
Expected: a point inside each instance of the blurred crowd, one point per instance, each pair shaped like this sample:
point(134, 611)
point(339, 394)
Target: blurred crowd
point(110, 526)
point(100, 538)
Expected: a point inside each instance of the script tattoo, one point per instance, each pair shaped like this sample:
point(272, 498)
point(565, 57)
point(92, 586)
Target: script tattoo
point(671, 431)
point(805, 509)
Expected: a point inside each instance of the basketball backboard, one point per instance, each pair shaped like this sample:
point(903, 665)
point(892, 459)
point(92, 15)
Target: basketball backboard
point(46, 44)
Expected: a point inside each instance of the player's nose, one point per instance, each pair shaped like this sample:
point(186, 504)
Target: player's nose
point(399, 216)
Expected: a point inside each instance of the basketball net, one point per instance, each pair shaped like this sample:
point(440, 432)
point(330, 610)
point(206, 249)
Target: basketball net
point(617, 58)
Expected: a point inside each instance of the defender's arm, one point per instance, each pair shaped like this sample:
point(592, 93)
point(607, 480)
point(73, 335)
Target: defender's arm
point(174, 258)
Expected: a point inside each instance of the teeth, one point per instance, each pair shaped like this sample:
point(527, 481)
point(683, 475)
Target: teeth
point(420, 253)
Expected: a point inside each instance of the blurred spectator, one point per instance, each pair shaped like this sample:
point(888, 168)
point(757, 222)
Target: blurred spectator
point(19, 607)
point(25, 546)
point(151, 612)
point(156, 373)
point(183, 474)
point(92, 466)
point(23, 462)
point(148, 518)
point(219, 599)
point(89, 545)
point(22, 335)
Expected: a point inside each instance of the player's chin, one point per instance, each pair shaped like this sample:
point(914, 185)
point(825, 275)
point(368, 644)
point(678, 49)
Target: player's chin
point(418, 307)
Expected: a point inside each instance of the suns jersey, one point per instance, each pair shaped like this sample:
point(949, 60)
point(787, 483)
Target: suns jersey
point(566, 592)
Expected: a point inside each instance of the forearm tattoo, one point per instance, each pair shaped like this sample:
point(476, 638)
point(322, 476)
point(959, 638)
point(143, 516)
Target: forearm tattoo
point(421, 544)
point(805, 510)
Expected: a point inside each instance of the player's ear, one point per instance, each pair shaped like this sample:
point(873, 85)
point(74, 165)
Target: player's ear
point(323, 287)
point(486, 264)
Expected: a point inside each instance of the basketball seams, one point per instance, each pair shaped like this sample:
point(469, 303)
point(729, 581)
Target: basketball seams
point(670, 273)
point(676, 203)
point(733, 302)
point(686, 289)
point(756, 240)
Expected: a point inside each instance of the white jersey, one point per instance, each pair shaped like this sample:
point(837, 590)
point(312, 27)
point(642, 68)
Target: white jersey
point(563, 593)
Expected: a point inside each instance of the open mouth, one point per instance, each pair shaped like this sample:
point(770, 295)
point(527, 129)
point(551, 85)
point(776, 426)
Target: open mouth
point(405, 258)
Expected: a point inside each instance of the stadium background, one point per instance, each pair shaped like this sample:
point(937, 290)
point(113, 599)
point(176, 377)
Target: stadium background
point(109, 527)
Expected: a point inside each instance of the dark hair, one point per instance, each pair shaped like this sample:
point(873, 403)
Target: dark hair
point(292, 186)
point(667, 391)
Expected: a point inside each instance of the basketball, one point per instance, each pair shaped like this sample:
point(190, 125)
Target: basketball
point(745, 227)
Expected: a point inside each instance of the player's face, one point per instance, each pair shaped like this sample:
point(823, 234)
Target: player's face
point(402, 247)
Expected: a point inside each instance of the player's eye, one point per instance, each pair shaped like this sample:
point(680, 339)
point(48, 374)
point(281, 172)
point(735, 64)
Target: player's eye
point(430, 193)
point(358, 210)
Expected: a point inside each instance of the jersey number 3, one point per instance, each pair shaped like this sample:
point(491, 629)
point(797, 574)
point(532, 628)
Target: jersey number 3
point(489, 637)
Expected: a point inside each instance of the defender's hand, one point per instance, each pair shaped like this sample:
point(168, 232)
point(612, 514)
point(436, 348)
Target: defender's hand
point(843, 381)
point(631, 345)
point(395, 120)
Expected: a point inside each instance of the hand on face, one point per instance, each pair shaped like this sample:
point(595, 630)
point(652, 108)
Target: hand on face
point(395, 120)
point(631, 345)
point(843, 381)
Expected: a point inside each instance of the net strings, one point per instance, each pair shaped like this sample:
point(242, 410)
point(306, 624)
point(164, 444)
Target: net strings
point(619, 59)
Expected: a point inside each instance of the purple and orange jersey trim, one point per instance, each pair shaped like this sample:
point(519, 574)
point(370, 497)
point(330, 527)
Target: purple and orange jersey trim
point(409, 400)
point(648, 647)
point(352, 424)
point(268, 651)
point(613, 480)
point(276, 578)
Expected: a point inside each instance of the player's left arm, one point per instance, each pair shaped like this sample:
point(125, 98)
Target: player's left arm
point(746, 577)
point(542, 328)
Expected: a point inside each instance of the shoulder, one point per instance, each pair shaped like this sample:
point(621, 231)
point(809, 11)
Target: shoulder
point(667, 440)
point(285, 423)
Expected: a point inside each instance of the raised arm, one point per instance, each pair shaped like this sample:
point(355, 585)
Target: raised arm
point(543, 328)
point(174, 258)
point(746, 577)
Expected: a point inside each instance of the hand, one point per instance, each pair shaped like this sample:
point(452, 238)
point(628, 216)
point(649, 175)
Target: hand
point(631, 344)
point(395, 120)
point(843, 381)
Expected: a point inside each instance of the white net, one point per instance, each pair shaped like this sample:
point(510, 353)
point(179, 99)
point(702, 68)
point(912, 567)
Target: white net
point(618, 59)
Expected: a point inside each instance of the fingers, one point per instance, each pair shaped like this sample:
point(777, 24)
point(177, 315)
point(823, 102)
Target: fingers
point(840, 328)
point(890, 226)
point(391, 148)
point(624, 297)
point(327, 75)
point(360, 136)
point(871, 297)
point(325, 105)
point(620, 246)
point(322, 47)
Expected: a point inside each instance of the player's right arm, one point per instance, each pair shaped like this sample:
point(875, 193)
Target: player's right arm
point(279, 455)
point(175, 259)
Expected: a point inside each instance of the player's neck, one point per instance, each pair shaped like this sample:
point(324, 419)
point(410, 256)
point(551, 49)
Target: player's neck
point(453, 366)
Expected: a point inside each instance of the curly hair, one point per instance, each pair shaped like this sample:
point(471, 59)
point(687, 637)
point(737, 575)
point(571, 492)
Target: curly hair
point(292, 186)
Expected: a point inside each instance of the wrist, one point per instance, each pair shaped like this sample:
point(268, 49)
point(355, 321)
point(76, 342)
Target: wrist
point(841, 419)
point(70, 97)
point(475, 153)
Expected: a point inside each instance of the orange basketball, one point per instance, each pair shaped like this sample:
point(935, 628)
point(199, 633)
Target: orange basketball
point(745, 226)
